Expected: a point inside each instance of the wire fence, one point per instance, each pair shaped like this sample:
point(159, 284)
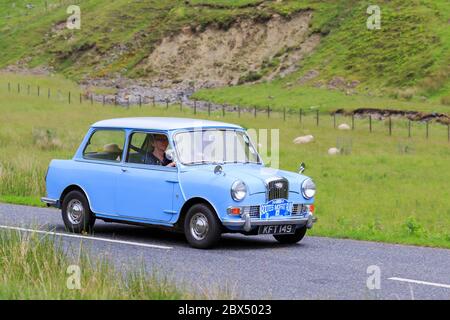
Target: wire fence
point(311, 117)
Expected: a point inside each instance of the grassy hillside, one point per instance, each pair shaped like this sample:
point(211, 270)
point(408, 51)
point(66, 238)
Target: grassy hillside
point(114, 35)
point(384, 188)
point(408, 58)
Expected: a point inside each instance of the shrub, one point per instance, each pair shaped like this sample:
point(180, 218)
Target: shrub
point(412, 226)
point(251, 76)
point(46, 139)
point(445, 101)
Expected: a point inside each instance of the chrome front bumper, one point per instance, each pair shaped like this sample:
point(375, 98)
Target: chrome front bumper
point(50, 202)
point(247, 223)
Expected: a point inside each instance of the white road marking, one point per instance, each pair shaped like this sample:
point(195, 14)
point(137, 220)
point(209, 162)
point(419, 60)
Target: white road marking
point(421, 282)
point(88, 238)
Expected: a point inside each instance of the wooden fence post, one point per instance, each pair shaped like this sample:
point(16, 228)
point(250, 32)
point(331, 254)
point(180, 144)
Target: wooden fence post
point(317, 117)
point(195, 106)
point(69, 96)
point(370, 123)
point(390, 126)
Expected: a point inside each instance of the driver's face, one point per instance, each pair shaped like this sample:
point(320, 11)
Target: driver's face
point(161, 142)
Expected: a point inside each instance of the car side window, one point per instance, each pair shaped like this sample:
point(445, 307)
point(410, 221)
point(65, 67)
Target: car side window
point(148, 148)
point(140, 146)
point(105, 145)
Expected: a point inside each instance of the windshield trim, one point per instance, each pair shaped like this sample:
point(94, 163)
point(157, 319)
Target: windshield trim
point(214, 162)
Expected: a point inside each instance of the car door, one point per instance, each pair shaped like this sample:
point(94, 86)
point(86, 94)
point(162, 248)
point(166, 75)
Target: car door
point(99, 168)
point(144, 191)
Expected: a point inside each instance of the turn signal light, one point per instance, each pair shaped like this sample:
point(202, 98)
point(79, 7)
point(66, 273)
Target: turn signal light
point(311, 208)
point(234, 211)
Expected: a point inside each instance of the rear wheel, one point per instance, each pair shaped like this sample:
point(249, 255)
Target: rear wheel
point(291, 238)
point(202, 228)
point(76, 213)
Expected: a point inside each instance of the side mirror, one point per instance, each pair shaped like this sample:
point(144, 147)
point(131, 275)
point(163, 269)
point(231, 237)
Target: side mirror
point(218, 169)
point(302, 168)
point(170, 154)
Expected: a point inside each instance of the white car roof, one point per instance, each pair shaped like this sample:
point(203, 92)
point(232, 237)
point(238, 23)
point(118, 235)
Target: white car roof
point(161, 123)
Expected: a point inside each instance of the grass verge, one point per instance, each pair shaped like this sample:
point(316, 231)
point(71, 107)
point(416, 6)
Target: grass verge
point(38, 267)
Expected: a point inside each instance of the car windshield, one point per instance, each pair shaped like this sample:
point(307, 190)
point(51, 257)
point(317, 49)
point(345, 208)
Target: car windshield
point(215, 146)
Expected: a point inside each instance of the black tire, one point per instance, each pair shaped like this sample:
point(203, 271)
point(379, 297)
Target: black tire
point(202, 237)
point(291, 238)
point(76, 213)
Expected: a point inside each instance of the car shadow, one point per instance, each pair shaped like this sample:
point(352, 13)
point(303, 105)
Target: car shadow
point(229, 241)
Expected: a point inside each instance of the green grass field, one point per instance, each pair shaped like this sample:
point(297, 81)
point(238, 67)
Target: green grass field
point(382, 188)
point(277, 95)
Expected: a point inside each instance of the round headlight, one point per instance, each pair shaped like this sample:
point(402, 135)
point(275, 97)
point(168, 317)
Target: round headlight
point(308, 188)
point(238, 190)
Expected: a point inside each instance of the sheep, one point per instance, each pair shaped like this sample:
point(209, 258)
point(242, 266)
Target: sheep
point(344, 126)
point(303, 139)
point(333, 151)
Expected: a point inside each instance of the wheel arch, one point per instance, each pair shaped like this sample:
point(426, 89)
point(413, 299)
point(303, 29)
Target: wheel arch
point(74, 187)
point(188, 204)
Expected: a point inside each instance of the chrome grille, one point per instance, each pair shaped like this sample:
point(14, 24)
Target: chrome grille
point(253, 211)
point(299, 209)
point(277, 189)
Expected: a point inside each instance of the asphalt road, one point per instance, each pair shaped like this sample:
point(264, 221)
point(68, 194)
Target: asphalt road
point(258, 267)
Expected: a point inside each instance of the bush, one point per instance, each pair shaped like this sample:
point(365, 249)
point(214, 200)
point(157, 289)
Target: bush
point(251, 76)
point(46, 139)
point(407, 94)
point(412, 226)
point(445, 101)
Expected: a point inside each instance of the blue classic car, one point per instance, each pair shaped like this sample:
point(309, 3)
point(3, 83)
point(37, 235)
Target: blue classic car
point(203, 178)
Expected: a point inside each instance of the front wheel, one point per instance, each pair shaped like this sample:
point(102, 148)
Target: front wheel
point(201, 227)
point(291, 238)
point(76, 213)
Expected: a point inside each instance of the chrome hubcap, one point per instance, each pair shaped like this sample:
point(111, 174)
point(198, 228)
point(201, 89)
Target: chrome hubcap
point(75, 211)
point(199, 226)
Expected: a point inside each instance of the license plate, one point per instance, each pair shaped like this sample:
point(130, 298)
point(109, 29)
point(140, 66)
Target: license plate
point(276, 208)
point(279, 229)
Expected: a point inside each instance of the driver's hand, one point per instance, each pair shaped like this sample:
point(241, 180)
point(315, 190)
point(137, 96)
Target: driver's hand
point(172, 164)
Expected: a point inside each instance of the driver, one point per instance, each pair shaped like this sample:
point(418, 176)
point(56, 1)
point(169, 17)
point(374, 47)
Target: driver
point(158, 156)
